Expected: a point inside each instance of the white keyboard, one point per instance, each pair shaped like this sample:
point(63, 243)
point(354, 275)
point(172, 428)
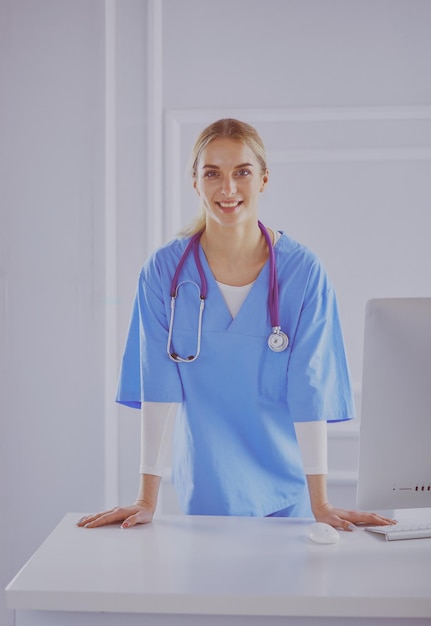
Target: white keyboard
point(403, 530)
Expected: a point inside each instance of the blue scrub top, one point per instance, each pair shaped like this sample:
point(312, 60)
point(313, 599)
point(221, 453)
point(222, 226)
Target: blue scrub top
point(235, 449)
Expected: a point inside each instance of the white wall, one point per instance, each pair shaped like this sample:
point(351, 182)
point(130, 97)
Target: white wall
point(52, 296)
point(340, 92)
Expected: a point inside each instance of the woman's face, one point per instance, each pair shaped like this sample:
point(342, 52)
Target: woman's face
point(228, 180)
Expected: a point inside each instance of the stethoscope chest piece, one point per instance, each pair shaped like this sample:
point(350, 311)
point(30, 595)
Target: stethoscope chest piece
point(278, 341)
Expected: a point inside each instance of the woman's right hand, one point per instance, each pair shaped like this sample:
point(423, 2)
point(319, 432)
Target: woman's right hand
point(128, 516)
point(142, 512)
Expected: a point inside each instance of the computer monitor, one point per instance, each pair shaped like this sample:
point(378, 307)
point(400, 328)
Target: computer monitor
point(395, 427)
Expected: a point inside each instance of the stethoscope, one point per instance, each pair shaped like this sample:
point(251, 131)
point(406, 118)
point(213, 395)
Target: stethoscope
point(277, 340)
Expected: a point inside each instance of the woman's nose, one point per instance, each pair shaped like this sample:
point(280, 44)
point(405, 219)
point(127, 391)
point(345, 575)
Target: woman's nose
point(228, 186)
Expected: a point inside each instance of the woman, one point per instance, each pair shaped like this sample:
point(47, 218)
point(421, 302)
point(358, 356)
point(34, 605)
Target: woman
point(250, 424)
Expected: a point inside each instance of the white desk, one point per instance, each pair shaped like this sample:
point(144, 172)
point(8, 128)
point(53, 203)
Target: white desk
point(220, 571)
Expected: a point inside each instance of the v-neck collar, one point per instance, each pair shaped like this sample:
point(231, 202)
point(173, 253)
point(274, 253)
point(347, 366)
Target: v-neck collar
point(253, 308)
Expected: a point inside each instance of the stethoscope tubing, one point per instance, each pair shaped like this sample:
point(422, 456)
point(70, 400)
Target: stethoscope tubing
point(273, 282)
point(193, 244)
point(277, 340)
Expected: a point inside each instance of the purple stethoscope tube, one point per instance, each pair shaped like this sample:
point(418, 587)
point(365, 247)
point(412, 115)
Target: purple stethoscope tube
point(277, 340)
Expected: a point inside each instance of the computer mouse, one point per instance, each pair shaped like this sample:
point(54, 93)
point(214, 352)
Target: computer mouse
point(319, 532)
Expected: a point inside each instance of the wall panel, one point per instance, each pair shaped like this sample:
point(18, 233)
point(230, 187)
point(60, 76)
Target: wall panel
point(350, 183)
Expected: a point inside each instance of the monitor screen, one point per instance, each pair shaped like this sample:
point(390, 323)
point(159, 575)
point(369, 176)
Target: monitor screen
point(395, 428)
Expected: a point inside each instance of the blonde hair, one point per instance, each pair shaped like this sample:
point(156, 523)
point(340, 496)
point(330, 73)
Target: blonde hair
point(225, 128)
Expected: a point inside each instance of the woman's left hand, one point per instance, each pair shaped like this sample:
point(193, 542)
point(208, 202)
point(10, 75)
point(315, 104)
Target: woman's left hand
point(338, 518)
point(346, 520)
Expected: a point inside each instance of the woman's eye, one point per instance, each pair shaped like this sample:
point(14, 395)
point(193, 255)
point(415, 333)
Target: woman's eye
point(243, 172)
point(210, 174)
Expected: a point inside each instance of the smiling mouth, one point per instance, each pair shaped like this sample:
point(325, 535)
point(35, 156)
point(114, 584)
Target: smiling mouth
point(229, 206)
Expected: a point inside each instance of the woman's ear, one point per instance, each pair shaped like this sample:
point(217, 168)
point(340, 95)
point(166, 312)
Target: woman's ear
point(265, 178)
point(195, 186)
